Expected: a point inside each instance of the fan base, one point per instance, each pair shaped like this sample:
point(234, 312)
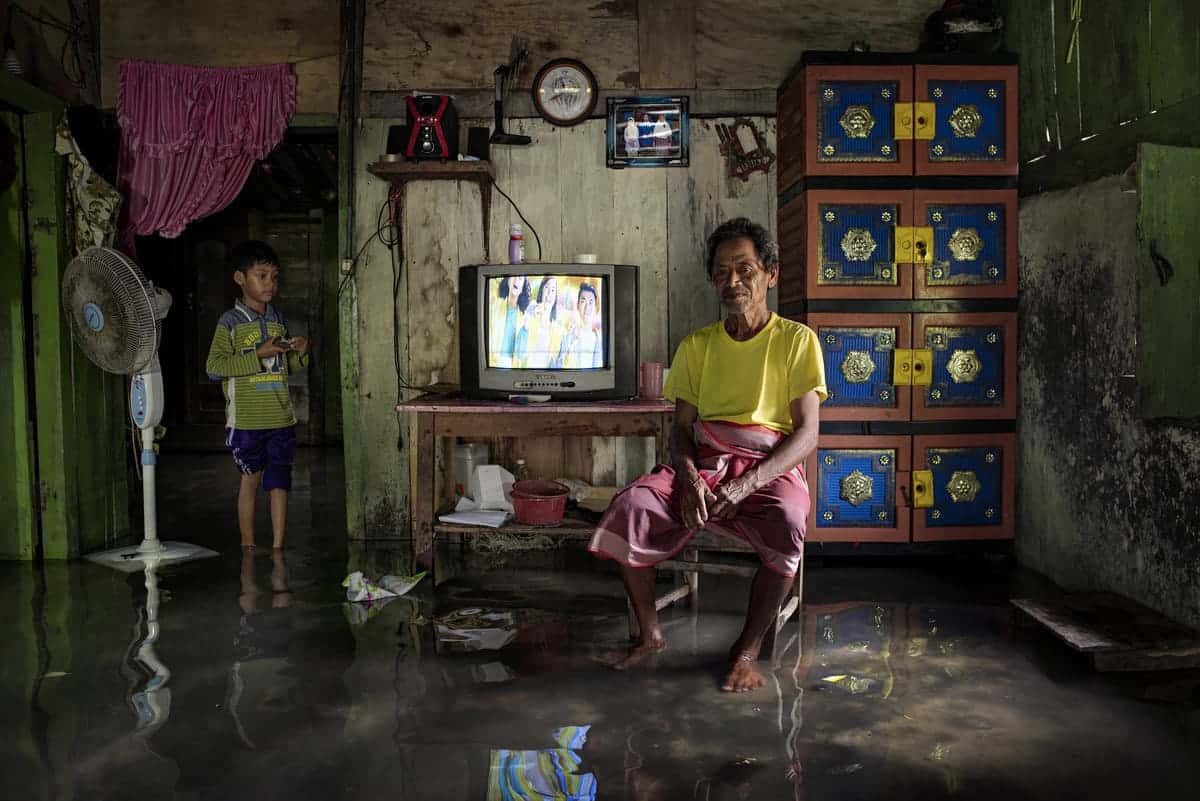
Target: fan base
point(129, 559)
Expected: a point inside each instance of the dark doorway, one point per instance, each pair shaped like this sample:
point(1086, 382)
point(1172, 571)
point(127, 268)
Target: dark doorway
point(290, 202)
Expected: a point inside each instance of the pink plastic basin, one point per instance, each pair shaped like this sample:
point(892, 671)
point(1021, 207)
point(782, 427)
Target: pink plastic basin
point(539, 503)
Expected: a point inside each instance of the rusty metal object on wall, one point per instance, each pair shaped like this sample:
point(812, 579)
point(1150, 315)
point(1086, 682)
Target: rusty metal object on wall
point(744, 148)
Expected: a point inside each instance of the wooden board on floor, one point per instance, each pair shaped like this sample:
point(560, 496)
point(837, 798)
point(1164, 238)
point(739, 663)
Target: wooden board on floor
point(1117, 633)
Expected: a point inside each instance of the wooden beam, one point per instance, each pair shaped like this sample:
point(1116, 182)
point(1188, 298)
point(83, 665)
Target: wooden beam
point(667, 43)
point(1112, 151)
point(86, 14)
point(20, 95)
point(476, 104)
point(671, 597)
point(708, 567)
point(354, 446)
point(313, 121)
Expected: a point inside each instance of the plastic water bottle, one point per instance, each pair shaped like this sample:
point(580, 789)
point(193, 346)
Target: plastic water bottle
point(516, 245)
point(520, 471)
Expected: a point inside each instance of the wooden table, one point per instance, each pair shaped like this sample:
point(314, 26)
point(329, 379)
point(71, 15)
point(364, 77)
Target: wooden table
point(451, 416)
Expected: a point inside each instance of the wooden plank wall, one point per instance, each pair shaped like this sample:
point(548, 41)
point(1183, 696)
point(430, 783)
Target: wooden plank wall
point(17, 470)
point(380, 334)
point(1168, 332)
point(1132, 77)
point(656, 218)
point(227, 33)
point(679, 44)
point(746, 44)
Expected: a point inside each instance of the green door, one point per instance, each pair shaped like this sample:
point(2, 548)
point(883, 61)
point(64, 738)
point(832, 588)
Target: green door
point(1168, 281)
point(18, 538)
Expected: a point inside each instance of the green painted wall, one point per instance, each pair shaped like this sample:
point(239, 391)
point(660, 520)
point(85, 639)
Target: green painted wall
point(1106, 494)
point(78, 455)
point(1132, 77)
point(19, 540)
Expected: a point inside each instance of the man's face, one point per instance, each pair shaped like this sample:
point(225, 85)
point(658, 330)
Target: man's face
point(739, 277)
point(259, 283)
point(587, 305)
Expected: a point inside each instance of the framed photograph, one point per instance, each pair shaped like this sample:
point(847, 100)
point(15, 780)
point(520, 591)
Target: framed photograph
point(647, 132)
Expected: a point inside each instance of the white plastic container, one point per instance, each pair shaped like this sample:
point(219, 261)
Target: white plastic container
point(467, 456)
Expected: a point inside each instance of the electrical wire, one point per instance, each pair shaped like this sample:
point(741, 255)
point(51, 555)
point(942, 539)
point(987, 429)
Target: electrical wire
point(387, 232)
point(380, 229)
point(74, 34)
point(522, 216)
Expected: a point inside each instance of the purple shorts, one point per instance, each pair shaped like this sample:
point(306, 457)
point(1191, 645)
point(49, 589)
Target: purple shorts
point(269, 451)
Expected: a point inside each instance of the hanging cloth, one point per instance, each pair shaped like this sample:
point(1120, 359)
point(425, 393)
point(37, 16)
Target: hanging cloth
point(92, 203)
point(190, 136)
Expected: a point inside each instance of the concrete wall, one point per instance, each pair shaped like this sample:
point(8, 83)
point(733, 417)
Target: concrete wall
point(1106, 501)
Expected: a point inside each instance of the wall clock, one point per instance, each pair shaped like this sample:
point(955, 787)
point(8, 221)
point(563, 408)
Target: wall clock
point(564, 91)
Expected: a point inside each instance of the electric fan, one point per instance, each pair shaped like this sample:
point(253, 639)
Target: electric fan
point(117, 319)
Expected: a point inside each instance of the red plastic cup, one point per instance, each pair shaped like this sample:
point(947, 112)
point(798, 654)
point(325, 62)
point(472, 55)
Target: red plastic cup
point(650, 383)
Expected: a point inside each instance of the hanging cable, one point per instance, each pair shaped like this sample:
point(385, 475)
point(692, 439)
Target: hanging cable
point(522, 216)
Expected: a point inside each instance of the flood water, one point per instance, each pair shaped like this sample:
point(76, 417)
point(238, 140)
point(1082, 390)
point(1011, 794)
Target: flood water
point(252, 678)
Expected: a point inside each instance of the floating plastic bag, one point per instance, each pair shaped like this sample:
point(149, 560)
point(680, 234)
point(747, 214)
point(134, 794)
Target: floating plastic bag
point(360, 589)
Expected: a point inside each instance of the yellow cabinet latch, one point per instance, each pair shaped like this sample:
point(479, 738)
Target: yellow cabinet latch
point(914, 120)
point(912, 367)
point(914, 245)
point(922, 489)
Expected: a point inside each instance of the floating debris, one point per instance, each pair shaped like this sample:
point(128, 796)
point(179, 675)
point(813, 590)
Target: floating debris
point(855, 685)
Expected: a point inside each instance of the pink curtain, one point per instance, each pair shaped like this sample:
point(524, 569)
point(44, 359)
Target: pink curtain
point(190, 136)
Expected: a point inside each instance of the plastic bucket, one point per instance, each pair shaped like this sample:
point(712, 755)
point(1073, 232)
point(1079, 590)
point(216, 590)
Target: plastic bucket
point(539, 503)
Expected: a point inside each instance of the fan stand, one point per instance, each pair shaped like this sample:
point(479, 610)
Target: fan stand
point(145, 398)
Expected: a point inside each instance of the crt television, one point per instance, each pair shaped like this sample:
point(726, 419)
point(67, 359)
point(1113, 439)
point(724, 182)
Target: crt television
point(569, 331)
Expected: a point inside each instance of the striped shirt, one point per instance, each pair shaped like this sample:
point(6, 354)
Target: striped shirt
point(256, 392)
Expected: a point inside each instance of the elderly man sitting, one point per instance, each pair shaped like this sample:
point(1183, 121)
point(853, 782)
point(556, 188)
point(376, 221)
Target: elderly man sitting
point(747, 391)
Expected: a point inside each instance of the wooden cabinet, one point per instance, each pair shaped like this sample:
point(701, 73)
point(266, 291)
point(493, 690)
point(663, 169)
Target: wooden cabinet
point(870, 244)
point(903, 367)
point(860, 489)
point(897, 223)
point(900, 488)
point(883, 115)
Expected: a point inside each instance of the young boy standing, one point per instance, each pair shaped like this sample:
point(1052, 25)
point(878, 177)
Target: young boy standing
point(252, 355)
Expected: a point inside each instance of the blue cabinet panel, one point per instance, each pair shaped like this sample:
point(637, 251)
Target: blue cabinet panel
point(856, 488)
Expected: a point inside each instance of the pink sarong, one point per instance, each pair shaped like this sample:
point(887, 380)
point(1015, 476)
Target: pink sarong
point(642, 525)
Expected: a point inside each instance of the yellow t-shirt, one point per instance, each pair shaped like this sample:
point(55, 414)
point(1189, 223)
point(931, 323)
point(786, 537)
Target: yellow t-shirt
point(752, 382)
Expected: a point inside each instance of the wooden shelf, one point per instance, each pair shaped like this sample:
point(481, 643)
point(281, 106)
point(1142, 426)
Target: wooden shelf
point(404, 170)
point(571, 528)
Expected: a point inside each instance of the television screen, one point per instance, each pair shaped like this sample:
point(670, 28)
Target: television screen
point(546, 322)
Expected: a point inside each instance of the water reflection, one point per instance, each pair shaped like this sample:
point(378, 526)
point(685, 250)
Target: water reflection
point(246, 679)
point(260, 681)
point(152, 703)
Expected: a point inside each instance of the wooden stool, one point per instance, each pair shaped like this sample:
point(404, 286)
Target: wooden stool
point(691, 566)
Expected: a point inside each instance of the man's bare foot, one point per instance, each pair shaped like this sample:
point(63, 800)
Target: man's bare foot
point(743, 675)
point(645, 648)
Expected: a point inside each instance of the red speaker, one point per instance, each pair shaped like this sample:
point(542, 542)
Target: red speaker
point(432, 127)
